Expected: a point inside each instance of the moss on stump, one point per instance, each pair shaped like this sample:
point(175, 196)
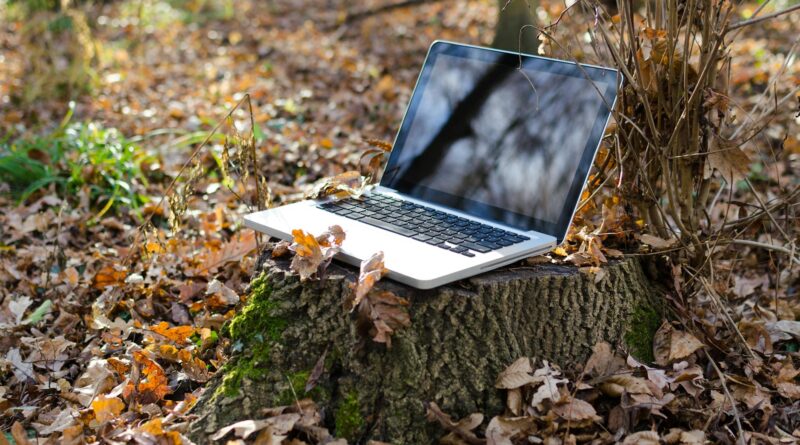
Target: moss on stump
point(462, 335)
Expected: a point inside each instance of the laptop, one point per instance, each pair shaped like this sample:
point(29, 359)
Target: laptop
point(487, 167)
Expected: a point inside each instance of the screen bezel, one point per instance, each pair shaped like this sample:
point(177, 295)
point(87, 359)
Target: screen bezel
point(557, 229)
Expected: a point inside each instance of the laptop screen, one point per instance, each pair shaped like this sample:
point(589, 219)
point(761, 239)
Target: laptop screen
point(501, 136)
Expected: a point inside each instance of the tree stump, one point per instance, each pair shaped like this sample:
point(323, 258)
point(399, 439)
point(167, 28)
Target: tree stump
point(461, 337)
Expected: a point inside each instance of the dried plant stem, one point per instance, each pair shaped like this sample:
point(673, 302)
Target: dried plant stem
point(753, 21)
point(789, 252)
point(729, 396)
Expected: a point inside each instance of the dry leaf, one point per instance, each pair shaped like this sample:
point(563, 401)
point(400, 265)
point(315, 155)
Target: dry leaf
point(576, 410)
point(503, 430)
point(516, 375)
point(107, 408)
point(616, 385)
point(731, 163)
point(642, 438)
point(232, 251)
point(656, 242)
point(670, 345)
point(372, 270)
point(461, 429)
point(313, 254)
point(109, 276)
point(380, 314)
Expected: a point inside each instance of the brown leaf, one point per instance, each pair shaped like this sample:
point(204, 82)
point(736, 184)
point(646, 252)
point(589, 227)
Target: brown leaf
point(576, 410)
point(503, 430)
point(313, 254)
point(349, 183)
point(616, 385)
point(656, 242)
point(232, 251)
point(461, 429)
point(731, 162)
point(603, 361)
point(670, 345)
point(19, 434)
point(281, 249)
point(316, 373)
point(518, 374)
point(382, 313)
point(372, 270)
point(642, 438)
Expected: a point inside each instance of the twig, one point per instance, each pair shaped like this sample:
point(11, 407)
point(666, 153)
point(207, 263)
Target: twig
point(713, 294)
point(781, 249)
point(730, 397)
point(755, 20)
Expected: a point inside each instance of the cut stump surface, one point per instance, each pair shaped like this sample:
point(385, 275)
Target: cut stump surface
point(461, 337)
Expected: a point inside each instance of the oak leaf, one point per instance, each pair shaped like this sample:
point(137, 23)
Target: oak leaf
point(380, 314)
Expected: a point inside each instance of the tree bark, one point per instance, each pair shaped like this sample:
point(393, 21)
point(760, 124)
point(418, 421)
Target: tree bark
point(512, 16)
point(461, 336)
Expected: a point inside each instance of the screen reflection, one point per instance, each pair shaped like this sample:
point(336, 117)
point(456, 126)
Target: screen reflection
point(488, 133)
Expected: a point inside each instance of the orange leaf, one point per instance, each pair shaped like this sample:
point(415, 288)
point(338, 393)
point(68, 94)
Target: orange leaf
point(107, 408)
point(178, 334)
point(109, 276)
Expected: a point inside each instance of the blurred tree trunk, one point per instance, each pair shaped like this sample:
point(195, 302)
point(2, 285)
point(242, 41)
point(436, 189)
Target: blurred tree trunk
point(512, 16)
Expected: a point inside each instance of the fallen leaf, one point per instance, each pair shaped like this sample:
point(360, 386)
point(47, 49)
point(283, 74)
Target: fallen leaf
point(221, 293)
point(461, 429)
point(656, 242)
point(109, 276)
point(616, 385)
point(372, 270)
point(576, 410)
point(232, 251)
point(107, 408)
point(503, 430)
point(642, 438)
point(670, 345)
point(516, 375)
point(731, 162)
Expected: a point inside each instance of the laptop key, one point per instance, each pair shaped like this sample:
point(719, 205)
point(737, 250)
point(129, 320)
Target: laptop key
point(421, 237)
point(459, 249)
point(467, 253)
point(476, 247)
point(491, 246)
point(388, 226)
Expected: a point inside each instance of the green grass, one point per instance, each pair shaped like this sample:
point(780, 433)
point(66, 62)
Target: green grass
point(74, 157)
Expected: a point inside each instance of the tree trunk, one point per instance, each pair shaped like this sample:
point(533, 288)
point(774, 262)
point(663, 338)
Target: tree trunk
point(512, 16)
point(461, 336)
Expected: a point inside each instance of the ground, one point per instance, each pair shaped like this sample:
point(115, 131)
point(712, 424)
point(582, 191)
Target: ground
point(117, 306)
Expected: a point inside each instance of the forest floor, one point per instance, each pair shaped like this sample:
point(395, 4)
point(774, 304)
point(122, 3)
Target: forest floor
point(110, 309)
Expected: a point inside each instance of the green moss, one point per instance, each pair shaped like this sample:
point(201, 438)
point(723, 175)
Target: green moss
point(252, 332)
point(643, 324)
point(257, 320)
point(348, 419)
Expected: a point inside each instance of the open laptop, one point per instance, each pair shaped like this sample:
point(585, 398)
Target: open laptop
point(487, 167)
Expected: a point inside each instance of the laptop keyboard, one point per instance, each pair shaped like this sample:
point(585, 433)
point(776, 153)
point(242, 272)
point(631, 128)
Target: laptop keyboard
point(437, 228)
